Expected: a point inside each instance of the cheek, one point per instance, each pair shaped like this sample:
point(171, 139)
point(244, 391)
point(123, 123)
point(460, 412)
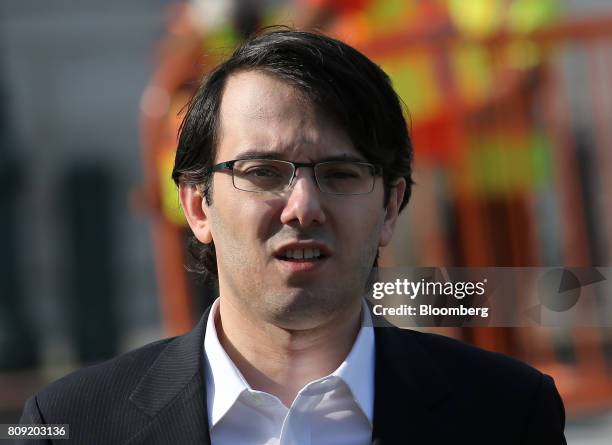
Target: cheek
point(360, 227)
point(245, 224)
point(265, 217)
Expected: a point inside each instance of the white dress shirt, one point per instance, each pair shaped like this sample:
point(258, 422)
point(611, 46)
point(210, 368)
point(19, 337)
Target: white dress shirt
point(334, 410)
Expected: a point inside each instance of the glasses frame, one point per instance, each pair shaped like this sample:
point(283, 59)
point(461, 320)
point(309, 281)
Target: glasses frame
point(376, 170)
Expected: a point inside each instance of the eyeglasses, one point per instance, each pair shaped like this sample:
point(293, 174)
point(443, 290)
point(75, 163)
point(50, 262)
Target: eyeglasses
point(274, 175)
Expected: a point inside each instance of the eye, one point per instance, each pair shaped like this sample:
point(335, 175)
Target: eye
point(262, 172)
point(339, 174)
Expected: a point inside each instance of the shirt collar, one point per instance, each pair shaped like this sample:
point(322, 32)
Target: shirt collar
point(357, 370)
point(220, 373)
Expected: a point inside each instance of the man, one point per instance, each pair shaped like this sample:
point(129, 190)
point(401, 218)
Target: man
point(293, 164)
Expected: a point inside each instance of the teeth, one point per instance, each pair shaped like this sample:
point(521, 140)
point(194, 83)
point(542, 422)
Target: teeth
point(298, 254)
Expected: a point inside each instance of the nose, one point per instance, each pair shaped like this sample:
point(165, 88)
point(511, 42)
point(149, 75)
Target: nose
point(304, 201)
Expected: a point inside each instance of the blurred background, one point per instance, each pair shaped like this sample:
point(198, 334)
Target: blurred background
point(509, 103)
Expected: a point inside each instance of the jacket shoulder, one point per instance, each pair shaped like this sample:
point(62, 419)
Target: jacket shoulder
point(99, 393)
point(499, 389)
point(474, 368)
point(482, 396)
point(466, 358)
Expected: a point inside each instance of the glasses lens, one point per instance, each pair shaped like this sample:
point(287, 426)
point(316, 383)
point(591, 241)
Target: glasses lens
point(345, 178)
point(262, 175)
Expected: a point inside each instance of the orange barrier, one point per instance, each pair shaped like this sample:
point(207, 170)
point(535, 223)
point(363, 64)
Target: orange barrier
point(499, 222)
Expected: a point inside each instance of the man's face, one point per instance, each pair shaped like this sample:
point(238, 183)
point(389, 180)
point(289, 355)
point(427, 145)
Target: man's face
point(252, 232)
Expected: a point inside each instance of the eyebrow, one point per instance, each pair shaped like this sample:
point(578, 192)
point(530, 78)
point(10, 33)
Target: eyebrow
point(261, 154)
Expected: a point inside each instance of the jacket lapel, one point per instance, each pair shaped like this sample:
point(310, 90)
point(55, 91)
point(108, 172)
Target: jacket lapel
point(173, 394)
point(408, 386)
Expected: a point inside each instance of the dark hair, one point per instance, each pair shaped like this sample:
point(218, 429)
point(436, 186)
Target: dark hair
point(335, 77)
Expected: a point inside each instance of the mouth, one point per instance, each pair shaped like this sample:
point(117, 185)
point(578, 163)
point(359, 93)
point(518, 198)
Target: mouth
point(303, 253)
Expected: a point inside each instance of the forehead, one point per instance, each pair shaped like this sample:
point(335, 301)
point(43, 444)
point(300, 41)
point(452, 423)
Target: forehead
point(263, 114)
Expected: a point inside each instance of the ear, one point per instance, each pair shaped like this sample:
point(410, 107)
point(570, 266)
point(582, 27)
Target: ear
point(392, 211)
point(196, 212)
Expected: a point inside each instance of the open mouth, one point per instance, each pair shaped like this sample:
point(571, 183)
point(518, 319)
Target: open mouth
point(302, 255)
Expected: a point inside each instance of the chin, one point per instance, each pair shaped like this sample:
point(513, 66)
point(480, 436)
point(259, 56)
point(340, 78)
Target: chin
point(305, 309)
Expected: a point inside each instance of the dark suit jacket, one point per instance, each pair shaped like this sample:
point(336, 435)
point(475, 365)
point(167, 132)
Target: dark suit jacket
point(429, 389)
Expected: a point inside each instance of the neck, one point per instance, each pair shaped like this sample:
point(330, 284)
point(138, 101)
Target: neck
point(281, 361)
